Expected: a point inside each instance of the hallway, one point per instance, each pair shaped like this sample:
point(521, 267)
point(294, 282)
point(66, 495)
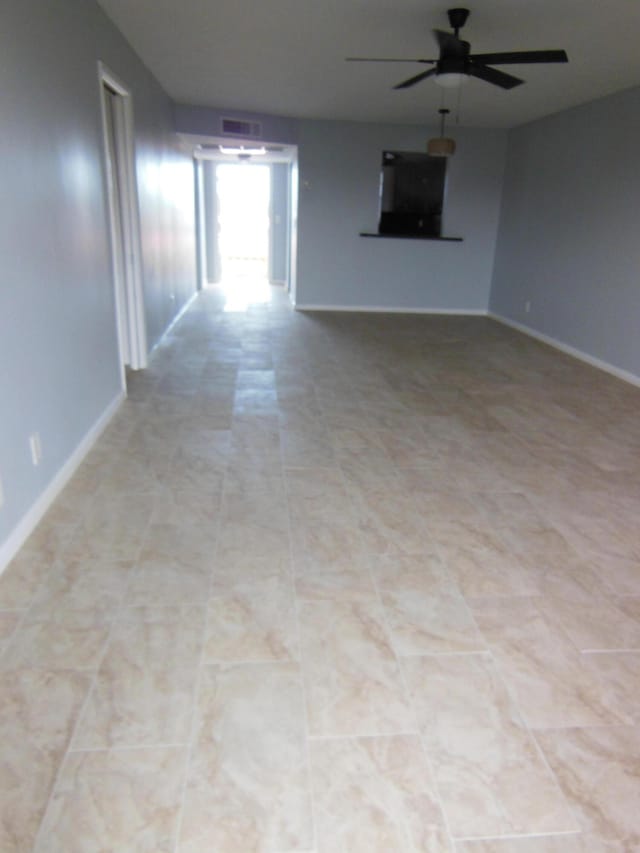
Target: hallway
point(334, 583)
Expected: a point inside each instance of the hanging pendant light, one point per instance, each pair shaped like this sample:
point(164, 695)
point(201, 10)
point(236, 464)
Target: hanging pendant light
point(441, 146)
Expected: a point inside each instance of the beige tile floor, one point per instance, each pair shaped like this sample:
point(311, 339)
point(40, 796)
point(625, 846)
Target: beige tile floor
point(334, 583)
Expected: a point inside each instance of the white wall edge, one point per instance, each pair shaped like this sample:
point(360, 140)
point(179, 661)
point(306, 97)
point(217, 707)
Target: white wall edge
point(618, 372)
point(130, 309)
point(383, 309)
point(184, 308)
point(32, 517)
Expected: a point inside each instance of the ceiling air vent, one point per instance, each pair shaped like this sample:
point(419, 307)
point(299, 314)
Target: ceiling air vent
point(244, 129)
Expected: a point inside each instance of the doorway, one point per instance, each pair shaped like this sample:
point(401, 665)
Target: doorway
point(123, 217)
point(244, 199)
point(246, 211)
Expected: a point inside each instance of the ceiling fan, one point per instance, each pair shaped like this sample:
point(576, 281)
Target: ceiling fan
point(456, 60)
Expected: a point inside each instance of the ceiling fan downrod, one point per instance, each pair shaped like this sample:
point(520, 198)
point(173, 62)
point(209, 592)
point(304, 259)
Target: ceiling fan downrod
point(457, 19)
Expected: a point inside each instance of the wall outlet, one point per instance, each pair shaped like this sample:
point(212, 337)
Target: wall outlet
point(35, 445)
point(527, 307)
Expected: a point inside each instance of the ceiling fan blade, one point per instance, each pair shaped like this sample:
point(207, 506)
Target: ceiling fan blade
point(378, 59)
point(492, 75)
point(522, 57)
point(413, 80)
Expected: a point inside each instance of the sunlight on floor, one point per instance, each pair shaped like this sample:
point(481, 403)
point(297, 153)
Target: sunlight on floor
point(243, 286)
point(240, 294)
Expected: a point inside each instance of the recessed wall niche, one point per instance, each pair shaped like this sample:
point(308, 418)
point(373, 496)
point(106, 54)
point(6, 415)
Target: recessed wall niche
point(412, 188)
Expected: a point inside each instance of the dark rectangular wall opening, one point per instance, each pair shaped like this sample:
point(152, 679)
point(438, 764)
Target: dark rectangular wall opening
point(411, 193)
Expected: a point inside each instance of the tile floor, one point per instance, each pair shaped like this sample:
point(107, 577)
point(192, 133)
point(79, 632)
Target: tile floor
point(334, 583)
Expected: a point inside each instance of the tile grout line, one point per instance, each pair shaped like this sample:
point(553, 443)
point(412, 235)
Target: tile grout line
point(81, 710)
point(127, 747)
point(531, 732)
point(303, 687)
point(85, 704)
point(191, 741)
point(407, 695)
point(570, 833)
point(417, 733)
point(26, 610)
point(118, 611)
point(366, 735)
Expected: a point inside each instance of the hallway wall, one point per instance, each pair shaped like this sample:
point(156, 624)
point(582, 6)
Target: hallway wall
point(58, 350)
point(280, 221)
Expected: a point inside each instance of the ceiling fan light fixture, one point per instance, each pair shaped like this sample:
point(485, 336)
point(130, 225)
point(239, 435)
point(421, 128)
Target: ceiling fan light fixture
point(450, 79)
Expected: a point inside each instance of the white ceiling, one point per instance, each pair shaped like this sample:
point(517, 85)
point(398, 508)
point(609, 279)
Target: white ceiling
point(286, 57)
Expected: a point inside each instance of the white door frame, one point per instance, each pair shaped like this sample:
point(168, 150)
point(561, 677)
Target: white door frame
point(294, 191)
point(130, 319)
point(201, 246)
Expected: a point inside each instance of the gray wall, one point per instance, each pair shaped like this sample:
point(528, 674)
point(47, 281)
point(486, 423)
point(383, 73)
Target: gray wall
point(279, 225)
point(339, 179)
point(58, 351)
point(569, 240)
point(212, 268)
point(207, 121)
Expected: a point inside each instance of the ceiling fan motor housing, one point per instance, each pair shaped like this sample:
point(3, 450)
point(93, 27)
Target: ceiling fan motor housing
point(457, 18)
point(454, 57)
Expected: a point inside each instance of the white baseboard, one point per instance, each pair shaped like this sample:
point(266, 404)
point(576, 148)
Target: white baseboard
point(27, 524)
point(618, 372)
point(383, 309)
